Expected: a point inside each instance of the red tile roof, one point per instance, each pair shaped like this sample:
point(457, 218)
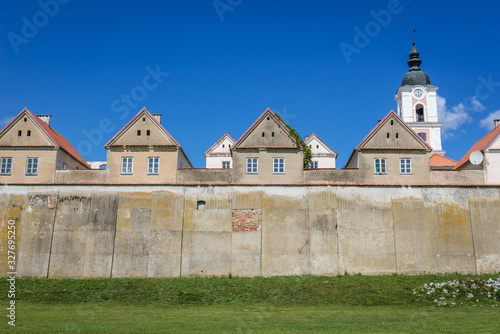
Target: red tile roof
point(55, 137)
point(480, 145)
point(440, 160)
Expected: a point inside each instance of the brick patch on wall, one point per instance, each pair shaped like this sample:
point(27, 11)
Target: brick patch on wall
point(245, 220)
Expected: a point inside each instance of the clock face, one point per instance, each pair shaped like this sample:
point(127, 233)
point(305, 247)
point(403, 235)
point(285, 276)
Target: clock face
point(418, 93)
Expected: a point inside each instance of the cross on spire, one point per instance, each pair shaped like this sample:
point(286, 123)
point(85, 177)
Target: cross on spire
point(414, 36)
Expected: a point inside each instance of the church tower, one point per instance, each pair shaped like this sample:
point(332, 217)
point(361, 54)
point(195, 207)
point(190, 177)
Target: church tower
point(417, 103)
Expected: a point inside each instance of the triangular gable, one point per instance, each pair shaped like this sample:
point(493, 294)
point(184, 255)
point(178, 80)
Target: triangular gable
point(143, 121)
point(44, 135)
point(267, 131)
point(484, 143)
point(377, 139)
point(313, 137)
point(393, 133)
point(217, 148)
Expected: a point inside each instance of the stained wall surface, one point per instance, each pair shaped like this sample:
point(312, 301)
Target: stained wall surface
point(171, 231)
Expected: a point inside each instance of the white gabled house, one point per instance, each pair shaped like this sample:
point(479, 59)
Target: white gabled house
point(323, 156)
point(219, 154)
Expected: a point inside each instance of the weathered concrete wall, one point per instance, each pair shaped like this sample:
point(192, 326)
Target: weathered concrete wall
point(172, 231)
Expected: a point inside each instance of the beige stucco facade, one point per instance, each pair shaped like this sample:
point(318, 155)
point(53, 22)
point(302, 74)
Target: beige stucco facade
point(293, 169)
point(167, 168)
point(419, 162)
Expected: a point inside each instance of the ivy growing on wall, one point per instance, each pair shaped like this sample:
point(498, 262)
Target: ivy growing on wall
point(300, 142)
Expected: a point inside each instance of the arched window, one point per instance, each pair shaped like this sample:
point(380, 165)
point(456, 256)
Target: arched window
point(419, 111)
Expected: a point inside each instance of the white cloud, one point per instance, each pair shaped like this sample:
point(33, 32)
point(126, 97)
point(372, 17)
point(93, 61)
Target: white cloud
point(488, 121)
point(453, 118)
point(475, 105)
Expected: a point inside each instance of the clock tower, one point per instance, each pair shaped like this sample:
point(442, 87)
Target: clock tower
point(417, 103)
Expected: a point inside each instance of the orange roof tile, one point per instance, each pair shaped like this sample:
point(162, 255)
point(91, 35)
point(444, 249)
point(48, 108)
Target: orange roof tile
point(480, 145)
point(440, 160)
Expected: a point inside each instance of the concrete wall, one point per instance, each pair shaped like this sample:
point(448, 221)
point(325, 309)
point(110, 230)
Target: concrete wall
point(87, 176)
point(463, 176)
point(331, 176)
point(204, 175)
point(172, 231)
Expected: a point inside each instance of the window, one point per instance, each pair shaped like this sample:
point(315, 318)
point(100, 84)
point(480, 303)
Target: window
point(226, 164)
point(388, 135)
point(25, 119)
point(252, 165)
point(6, 166)
point(29, 133)
point(397, 135)
point(138, 132)
point(263, 134)
point(405, 165)
point(314, 164)
point(279, 165)
point(144, 119)
point(272, 134)
point(148, 132)
point(127, 163)
point(380, 166)
point(65, 166)
point(423, 135)
point(32, 166)
point(19, 133)
point(153, 163)
point(420, 113)
point(392, 122)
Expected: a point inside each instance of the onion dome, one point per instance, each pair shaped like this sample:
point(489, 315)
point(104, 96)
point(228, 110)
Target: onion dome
point(415, 76)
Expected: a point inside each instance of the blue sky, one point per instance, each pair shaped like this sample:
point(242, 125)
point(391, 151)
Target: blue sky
point(219, 64)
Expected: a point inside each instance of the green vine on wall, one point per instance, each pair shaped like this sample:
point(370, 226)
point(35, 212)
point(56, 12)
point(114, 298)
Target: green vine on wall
point(300, 142)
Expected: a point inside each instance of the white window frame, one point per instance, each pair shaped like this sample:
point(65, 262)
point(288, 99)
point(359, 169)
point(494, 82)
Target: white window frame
point(226, 164)
point(153, 165)
point(405, 166)
point(127, 167)
point(382, 162)
point(252, 165)
point(278, 165)
point(6, 166)
point(314, 164)
point(32, 166)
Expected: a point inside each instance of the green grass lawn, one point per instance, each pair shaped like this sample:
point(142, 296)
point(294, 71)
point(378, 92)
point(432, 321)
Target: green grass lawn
point(122, 318)
point(311, 304)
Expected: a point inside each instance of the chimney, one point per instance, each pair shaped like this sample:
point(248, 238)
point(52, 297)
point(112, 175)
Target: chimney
point(497, 122)
point(158, 117)
point(45, 118)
